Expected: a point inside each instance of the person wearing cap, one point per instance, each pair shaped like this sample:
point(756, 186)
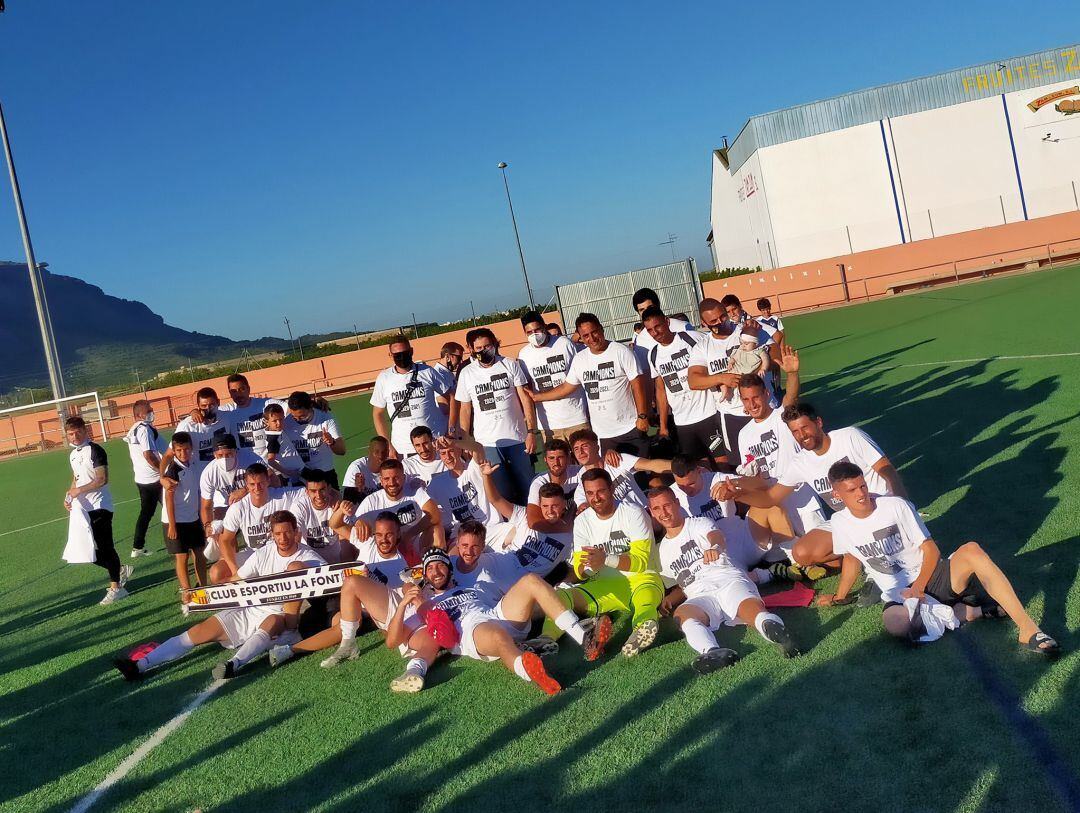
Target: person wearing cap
point(221, 484)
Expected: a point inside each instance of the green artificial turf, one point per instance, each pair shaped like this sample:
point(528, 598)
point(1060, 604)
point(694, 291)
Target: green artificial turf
point(987, 447)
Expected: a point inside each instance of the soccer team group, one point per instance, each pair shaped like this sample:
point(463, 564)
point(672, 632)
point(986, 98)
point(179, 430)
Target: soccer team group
point(461, 547)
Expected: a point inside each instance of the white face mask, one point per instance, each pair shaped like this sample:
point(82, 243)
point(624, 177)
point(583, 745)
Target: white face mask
point(538, 339)
point(150, 416)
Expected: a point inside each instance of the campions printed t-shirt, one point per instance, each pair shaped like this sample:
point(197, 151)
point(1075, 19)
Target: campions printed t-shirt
point(546, 368)
point(887, 543)
point(606, 379)
point(420, 409)
point(497, 416)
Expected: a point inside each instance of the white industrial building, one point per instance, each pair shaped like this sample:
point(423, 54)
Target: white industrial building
point(971, 148)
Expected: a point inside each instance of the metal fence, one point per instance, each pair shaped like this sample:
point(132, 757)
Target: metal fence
point(676, 284)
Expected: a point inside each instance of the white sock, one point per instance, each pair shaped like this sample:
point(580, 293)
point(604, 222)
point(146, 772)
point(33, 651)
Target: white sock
point(700, 637)
point(519, 670)
point(348, 630)
point(760, 576)
point(417, 666)
point(252, 648)
point(176, 647)
point(759, 622)
point(568, 622)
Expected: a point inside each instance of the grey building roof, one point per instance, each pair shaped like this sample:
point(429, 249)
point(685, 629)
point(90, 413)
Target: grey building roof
point(902, 98)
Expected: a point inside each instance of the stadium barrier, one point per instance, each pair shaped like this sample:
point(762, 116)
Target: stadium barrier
point(865, 275)
point(341, 374)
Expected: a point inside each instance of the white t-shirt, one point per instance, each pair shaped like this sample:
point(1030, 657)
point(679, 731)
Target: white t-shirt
point(383, 569)
point(423, 470)
point(670, 364)
point(248, 424)
point(497, 416)
point(887, 543)
point(623, 484)
point(606, 379)
point(462, 497)
point(253, 522)
point(372, 483)
point(681, 560)
point(267, 560)
point(771, 444)
point(287, 459)
point(537, 551)
point(849, 444)
point(314, 524)
point(494, 574)
point(216, 482)
point(408, 506)
point(546, 368)
point(774, 321)
point(628, 524)
point(84, 459)
point(202, 437)
point(142, 437)
point(186, 495)
point(307, 438)
point(573, 479)
point(646, 342)
point(422, 408)
point(702, 504)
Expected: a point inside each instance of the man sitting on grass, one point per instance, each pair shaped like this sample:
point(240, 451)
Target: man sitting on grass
point(718, 593)
point(248, 630)
point(885, 536)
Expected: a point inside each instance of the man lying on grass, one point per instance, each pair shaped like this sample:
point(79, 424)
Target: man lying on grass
point(886, 536)
point(483, 632)
point(248, 630)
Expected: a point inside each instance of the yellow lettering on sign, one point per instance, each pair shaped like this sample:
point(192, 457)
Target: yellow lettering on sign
point(967, 84)
point(1033, 71)
point(1071, 65)
point(995, 79)
point(1049, 67)
point(1020, 71)
point(981, 83)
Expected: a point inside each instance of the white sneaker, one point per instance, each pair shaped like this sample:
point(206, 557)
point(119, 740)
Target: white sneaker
point(280, 653)
point(113, 595)
point(407, 683)
point(185, 609)
point(346, 652)
point(125, 574)
point(139, 552)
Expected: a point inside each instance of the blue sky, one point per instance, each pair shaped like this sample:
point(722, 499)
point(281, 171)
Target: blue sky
point(231, 163)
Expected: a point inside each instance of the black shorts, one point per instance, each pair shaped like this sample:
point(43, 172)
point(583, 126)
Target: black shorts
point(634, 442)
point(940, 587)
point(319, 615)
point(189, 536)
point(697, 440)
point(732, 424)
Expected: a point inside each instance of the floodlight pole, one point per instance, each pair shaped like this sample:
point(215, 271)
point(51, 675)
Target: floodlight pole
point(528, 288)
point(52, 359)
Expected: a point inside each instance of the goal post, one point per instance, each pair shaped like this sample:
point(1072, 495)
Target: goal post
point(38, 427)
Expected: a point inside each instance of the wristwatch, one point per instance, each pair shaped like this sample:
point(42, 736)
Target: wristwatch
point(642, 416)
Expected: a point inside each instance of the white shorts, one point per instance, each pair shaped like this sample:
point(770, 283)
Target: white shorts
point(243, 622)
point(497, 532)
point(468, 625)
point(743, 551)
point(393, 599)
point(807, 520)
point(720, 600)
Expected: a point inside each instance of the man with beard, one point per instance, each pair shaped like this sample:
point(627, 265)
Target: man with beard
point(411, 392)
point(420, 519)
point(586, 448)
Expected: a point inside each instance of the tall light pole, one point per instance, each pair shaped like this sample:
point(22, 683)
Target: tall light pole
point(52, 359)
point(521, 254)
point(288, 327)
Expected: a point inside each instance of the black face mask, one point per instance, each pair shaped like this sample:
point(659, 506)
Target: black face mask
point(403, 359)
point(485, 356)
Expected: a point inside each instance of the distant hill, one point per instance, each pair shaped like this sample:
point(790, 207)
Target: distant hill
point(101, 339)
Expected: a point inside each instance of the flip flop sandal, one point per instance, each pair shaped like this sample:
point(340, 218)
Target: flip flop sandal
point(993, 611)
point(1033, 644)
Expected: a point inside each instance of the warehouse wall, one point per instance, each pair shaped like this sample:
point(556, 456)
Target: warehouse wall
point(734, 244)
point(1049, 169)
point(830, 194)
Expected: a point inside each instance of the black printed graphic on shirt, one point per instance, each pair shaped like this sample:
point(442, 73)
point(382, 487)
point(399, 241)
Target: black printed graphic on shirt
point(487, 393)
point(247, 427)
point(536, 547)
point(887, 543)
point(605, 371)
point(408, 513)
point(550, 374)
point(823, 487)
point(669, 370)
point(617, 543)
point(763, 448)
point(687, 564)
point(712, 510)
point(622, 486)
point(462, 505)
point(416, 396)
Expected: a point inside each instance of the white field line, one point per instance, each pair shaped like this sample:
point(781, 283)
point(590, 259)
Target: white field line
point(140, 753)
point(852, 370)
point(51, 521)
